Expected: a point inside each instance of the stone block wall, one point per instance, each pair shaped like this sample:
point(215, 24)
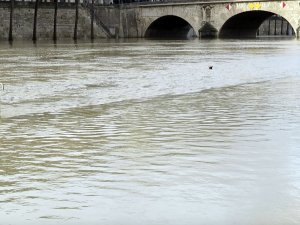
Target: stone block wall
point(23, 18)
point(4, 24)
point(110, 16)
point(121, 21)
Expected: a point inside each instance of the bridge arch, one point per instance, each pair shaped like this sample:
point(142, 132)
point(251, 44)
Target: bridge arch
point(170, 27)
point(246, 24)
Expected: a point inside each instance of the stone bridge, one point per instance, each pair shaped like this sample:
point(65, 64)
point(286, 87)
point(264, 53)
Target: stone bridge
point(223, 19)
point(93, 19)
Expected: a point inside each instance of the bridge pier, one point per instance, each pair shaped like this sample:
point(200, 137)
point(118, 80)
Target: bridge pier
point(208, 31)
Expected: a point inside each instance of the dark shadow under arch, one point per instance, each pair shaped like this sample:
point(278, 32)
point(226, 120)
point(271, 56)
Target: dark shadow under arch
point(170, 27)
point(207, 31)
point(244, 25)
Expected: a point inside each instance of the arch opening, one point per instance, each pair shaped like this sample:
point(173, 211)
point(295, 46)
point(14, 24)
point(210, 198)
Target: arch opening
point(170, 27)
point(254, 24)
point(275, 26)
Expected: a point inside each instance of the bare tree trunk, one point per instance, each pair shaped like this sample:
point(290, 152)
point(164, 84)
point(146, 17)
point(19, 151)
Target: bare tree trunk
point(76, 20)
point(35, 20)
point(269, 27)
point(287, 28)
point(92, 19)
point(12, 6)
point(281, 29)
point(55, 20)
point(275, 26)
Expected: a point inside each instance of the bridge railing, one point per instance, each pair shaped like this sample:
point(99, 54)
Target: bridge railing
point(107, 2)
point(44, 1)
point(147, 2)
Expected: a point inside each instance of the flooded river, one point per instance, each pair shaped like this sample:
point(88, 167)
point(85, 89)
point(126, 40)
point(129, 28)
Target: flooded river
point(144, 133)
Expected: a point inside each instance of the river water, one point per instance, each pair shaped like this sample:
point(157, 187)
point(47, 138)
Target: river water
point(141, 132)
